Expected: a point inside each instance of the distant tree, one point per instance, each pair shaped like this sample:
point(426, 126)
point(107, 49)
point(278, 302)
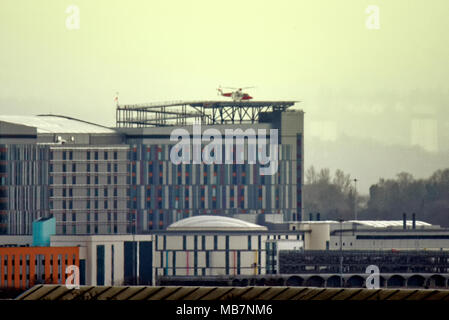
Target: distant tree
point(330, 196)
point(428, 198)
point(342, 181)
point(311, 176)
point(324, 176)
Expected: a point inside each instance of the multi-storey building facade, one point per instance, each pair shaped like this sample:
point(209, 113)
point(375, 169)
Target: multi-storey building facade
point(99, 180)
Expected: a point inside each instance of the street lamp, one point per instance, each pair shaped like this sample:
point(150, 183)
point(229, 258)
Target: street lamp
point(341, 252)
point(355, 199)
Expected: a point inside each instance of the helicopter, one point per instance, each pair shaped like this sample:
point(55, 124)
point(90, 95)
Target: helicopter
point(236, 94)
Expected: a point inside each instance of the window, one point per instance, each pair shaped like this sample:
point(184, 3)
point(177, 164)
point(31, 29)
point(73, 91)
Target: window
point(109, 180)
point(184, 243)
point(88, 167)
point(100, 265)
point(64, 167)
point(71, 155)
point(96, 155)
point(73, 180)
point(73, 167)
point(70, 192)
point(115, 192)
point(96, 167)
point(96, 216)
point(207, 259)
point(64, 155)
point(105, 204)
point(105, 155)
point(88, 155)
point(115, 180)
point(215, 242)
point(96, 179)
point(115, 167)
point(115, 155)
point(109, 167)
point(64, 192)
point(105, 192)
point(64, 179)
point(238, 262)
point(249, 242)
point(88, 180)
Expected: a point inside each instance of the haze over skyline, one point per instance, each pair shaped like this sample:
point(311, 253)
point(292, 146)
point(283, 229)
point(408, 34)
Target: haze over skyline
point(386, 88)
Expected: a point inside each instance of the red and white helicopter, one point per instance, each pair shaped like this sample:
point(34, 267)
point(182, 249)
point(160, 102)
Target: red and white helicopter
point(236, 94)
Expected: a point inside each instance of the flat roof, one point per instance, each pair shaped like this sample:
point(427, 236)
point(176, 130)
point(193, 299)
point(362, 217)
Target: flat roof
point(209, 103)
point(56, 124)
point(371, 223)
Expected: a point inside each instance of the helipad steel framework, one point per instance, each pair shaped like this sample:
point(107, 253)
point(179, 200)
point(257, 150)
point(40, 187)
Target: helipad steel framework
point(206, 112)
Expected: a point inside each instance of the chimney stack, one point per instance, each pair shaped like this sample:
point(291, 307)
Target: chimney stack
point(404, 221)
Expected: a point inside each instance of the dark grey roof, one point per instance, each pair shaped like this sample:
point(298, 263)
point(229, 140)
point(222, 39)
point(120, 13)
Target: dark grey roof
point(61, 292)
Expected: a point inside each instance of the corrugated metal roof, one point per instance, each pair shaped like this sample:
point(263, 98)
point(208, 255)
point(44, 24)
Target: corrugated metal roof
point(60, 292)
point(373, 223)
point(56, 124)
point(389, 223)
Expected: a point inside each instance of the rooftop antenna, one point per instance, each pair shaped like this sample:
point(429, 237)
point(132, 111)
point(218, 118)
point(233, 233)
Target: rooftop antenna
point(116, 99)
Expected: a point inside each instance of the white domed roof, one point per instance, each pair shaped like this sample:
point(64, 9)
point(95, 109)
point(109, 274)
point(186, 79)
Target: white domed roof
point(217, 223)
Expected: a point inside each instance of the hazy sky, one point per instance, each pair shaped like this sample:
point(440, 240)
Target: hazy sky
point(351, 79)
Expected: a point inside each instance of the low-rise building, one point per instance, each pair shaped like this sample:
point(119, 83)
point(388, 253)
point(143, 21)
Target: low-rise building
point(372, 235)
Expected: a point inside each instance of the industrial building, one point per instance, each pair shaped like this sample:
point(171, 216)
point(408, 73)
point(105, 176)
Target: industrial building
point(99, 180)
point(371, 235)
